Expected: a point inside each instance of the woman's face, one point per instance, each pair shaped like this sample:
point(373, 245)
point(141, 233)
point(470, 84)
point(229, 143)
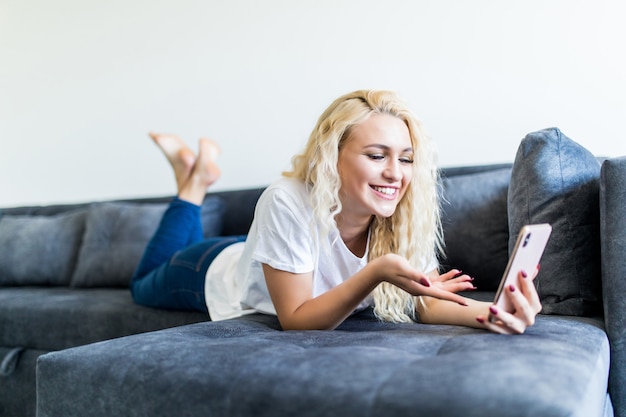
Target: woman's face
point(375, 166)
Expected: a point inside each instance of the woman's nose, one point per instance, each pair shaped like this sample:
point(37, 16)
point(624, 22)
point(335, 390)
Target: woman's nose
point(393, 171)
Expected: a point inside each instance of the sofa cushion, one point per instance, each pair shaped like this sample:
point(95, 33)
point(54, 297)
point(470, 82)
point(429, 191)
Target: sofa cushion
point(476, 232)
point(247, 367)
point(613, 244)
point(555, 180)
point(116, 235)
point(54, 318)
point(40, 250)
point(17, 390)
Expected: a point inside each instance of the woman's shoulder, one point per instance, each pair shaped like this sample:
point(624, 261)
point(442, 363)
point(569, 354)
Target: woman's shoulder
point(286, 189)
point(284, 198)
point(288, 184)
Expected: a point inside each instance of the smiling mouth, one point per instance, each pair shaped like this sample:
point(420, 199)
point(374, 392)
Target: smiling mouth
point(388, 191)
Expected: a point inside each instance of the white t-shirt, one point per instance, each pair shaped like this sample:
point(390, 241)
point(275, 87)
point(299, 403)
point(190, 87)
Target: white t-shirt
point(284, 237)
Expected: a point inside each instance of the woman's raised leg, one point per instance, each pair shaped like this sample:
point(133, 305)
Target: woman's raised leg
point(181, 224)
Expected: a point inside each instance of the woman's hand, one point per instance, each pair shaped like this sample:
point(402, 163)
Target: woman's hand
point(292, 294)
point(453, 281)
point(396, 270)
point(525, 302)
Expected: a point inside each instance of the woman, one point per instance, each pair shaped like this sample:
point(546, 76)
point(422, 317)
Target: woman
point(355, 223)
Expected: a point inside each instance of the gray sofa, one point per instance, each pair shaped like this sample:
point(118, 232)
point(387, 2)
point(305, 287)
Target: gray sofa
point(74, 344)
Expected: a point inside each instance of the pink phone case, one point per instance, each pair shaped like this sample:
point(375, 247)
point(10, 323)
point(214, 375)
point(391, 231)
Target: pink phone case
point(526, 255)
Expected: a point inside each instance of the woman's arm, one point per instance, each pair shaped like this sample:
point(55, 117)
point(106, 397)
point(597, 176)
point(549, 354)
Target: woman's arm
point(524, 299)
point(297, 309)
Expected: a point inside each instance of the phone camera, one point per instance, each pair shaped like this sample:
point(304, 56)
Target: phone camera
point(526, 239)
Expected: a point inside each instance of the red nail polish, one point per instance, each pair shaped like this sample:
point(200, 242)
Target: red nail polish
point(524, 274)
point(512, 288)
point(424, 282)
point(493, 310)
point(480, 320)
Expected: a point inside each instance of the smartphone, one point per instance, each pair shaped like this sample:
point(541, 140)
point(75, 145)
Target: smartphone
point(526, 255)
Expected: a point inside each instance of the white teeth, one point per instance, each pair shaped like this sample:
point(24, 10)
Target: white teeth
point(385, 190)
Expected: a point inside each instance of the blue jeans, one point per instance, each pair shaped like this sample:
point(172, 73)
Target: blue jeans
point(172, 271)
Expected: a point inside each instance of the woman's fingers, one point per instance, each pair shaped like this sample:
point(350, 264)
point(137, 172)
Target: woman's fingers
point(501, 322)
point(527, 287)
point(521, 305)
point(421, 285)
point(453, 275)
point(417, 283)
point(454, 281)
point(456, 286)
point(526, 305)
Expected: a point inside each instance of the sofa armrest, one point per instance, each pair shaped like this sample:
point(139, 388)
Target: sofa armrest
point(613, 246)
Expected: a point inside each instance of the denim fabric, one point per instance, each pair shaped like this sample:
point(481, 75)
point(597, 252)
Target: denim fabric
point(180, 227)
point(172, 270)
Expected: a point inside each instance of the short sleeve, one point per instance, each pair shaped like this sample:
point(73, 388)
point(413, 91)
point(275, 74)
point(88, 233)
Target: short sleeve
point(284, 235)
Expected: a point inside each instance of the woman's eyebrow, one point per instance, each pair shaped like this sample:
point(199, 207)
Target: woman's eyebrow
point(386, 147)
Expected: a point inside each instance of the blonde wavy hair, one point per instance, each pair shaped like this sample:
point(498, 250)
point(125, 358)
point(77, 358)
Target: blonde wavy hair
point(414, 230)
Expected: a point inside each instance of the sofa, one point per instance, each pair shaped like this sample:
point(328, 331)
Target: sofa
point(72, 342)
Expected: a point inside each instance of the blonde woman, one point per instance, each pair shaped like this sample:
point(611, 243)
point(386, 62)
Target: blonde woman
point(354, 224)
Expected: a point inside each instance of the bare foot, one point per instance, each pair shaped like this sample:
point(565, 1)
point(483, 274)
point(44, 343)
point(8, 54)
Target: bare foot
point(179, 155)
point(203, 173)
point(208, 152)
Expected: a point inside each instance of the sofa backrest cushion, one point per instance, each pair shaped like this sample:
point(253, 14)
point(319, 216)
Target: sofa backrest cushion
point(116, 235)
point(239, 206)
point(40, 250)
point(555, 180)
point(474, 219)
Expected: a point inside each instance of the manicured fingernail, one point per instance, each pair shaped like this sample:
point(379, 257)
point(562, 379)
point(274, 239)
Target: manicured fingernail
point(524, 274)
point(480, 320)
point(462, 304)
point(424, 282)
point(538, 267)
point(512, 288)
point(493, 310)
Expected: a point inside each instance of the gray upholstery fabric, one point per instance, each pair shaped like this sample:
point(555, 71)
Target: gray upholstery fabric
point(613, 228)
point(53, 318)
point(117, 234)
point(555, 180)
point(39, 250)
point(20, 384)
point(247, 367)
point(475, 225)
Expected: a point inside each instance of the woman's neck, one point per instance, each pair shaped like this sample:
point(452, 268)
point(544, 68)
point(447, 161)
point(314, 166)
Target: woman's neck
point(354, 235)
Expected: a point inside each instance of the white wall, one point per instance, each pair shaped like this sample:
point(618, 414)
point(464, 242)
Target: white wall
point(81, 82)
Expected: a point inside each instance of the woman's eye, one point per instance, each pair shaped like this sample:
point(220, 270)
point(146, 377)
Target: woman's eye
point(406, 160)
point(376, 157)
